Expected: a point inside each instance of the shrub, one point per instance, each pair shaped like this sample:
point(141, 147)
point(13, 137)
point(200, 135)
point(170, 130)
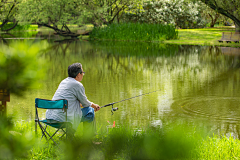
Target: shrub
point(176, 12)
point(20, 67)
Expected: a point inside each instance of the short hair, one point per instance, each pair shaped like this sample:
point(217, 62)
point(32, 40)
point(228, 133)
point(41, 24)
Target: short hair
point(74, 69)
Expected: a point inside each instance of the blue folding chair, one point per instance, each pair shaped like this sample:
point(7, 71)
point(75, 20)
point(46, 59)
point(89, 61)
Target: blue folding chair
point(51, 104)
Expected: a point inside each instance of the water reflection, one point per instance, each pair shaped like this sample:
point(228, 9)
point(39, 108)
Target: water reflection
point(198, 84)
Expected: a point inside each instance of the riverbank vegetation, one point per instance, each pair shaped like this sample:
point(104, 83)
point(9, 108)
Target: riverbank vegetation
point(135, 32)
point(19, 27)
point(58, 16)
point(177, 142)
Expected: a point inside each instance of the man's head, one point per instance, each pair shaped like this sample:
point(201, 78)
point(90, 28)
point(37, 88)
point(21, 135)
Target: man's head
point(74, 70)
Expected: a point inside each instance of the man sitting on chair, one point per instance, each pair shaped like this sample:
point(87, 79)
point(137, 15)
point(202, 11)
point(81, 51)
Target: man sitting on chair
point(72, 90)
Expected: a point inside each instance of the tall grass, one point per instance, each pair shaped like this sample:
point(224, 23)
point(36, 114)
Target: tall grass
point(177, 142)
point(135, 32)
point(219, 147)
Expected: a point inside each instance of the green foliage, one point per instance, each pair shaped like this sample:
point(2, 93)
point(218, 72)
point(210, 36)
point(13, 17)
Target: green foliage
point(226, 8)
point(176, 142)
point(55, 12)
point(176, 12)
point(107, 11)
point(152, 143)
point(7, 10)
point(126, 143)
point(19, 27)
point(135, 32)
point(219, 147)
point(20, 67)
point(21, 34)
point(13, 144)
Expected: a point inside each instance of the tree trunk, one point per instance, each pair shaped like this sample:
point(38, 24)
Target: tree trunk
point(61, 32)
point(213, 20)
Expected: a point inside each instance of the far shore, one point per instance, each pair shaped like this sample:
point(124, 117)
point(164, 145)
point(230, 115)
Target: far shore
point(201, 36)
point(204, 36)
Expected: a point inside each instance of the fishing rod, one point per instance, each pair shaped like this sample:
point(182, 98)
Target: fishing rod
point(115, 109)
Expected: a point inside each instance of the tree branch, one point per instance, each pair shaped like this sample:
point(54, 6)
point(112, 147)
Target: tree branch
point(4, 22)
point(59, 31)
point(11, 27)
point(121, 9)
point(221, 11)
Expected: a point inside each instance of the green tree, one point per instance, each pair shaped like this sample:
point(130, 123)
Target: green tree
point(228, 8)
point(107, 11)
point(8, 11)
point(214, 17)
point(54, 14)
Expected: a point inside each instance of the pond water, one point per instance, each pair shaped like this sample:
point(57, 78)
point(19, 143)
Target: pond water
point(196, 85)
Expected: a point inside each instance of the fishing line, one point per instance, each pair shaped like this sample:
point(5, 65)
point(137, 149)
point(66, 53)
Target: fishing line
point(115, 109)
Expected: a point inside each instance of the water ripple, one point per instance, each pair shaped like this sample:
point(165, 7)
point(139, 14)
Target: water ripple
point(211, 107)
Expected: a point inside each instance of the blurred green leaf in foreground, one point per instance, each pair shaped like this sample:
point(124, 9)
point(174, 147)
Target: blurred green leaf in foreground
point(20, 66)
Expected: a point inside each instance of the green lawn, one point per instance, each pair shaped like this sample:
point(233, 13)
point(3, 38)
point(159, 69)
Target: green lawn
point(205, 36)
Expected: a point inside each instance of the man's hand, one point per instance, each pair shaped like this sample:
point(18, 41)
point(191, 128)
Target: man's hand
point(95, 106)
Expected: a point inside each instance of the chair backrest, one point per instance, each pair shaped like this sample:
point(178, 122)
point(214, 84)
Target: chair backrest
point(51, 104)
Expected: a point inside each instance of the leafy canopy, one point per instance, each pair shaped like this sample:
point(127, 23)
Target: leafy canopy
point(55, 12)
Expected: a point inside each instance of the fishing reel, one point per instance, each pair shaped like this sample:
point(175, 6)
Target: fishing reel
point(113, 109)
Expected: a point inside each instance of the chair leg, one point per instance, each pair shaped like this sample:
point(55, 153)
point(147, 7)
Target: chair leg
point(44, 131)
point(65, 132)
point(48, 136)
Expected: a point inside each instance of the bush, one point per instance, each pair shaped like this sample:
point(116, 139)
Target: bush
point(20, 67)
point(176, 12)
point(13, 144)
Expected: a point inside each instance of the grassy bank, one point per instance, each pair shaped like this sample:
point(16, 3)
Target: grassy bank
point(177, 142)
point(205, 36)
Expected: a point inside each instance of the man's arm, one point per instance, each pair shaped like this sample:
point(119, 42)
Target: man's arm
point(84, 102)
